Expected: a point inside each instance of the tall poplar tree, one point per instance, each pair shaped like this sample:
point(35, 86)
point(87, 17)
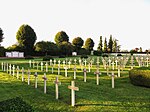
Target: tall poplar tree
point(110, 44)
point(105, 45)
point(100, 45)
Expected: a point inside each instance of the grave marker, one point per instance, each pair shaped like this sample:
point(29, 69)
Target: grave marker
point(84, 70)
point(29, 76)
point(45, 82)
point(17, 72)
point(73, 89)
point(97, 76)
point(56, 86)
point(65, 70)
point(36, 75)
point(112, 77)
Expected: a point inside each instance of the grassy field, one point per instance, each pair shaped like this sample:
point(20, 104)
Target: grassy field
point(90, 97)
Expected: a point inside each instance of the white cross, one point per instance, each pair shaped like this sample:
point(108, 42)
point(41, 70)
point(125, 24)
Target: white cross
point(46, 67)
point(84, 70)
point(41, 66)
point(75, 69)
point(56, 86)
point(17, 72)
point(30, 63)
point(73, 88)
point(118, 70)
point(97, 76)
point(10, 69)
point(22, 74)
point(65, 70)
point(44, 82)
point(29, 76)
point(36, 75)
point(112, 77)
point(13, 70)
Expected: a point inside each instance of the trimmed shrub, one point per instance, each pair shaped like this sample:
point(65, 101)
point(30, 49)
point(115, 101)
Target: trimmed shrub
point(119, 54)
point(2, 51)
point(61, 56)
point(15, 105)
point(140, 76)
point(84, 56)
point(47, 58)
point(105, 55)
point(29, 57)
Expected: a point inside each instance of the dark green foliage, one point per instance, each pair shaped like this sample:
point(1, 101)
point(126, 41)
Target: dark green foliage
point(15, 105)
point(26, 38)
point(60, 37)
point(105, 45)
point(110, 44)
point(48, 58)
point(2, 51)
point(89, 44)
point(83, 51)
point(114, 46)
point(119, 54)
point(61, 56)
point(15, 47)
point(105, 55)
point(46, 48)
point(98, 53)
point(1, 35)
point(100, 45)
point(84, 56)
point(65, 48)
point(78, 43)
point(29, 57)
point(140, 76)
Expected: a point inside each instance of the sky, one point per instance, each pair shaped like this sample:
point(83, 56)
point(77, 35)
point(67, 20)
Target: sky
point(126, 20)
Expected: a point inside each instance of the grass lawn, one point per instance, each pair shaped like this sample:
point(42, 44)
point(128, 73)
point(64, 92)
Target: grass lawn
point(90, 97)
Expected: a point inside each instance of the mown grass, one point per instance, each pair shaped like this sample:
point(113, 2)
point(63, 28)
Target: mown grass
point(90, 97)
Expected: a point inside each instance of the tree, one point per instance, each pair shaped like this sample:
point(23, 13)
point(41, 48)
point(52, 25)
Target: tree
point(114, 47)
point(65, 48)
point(26, 38)
point(100, 45)
point(141, 49)
point(89, 44)
point(46, 47)
point(110, 44)
point(78, 43)
point(1, 35)
point(60, 37)
point(105, 45)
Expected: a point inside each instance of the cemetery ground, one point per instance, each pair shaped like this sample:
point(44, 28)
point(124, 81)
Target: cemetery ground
point(90, 97)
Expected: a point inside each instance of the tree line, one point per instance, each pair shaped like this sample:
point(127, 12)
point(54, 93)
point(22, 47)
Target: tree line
point(26, 42)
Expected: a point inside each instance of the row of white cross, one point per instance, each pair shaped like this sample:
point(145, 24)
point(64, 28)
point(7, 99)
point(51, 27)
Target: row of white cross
point(57, 82)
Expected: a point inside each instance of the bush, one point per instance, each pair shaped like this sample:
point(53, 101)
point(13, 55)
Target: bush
point(29, 57)
point(47, 58)
point(61, 56)
point(119, 54)
point(140, 76)
point(98, 53)
point(2, 51)
point(15, 105)
point(105, 55)
point(84, 56)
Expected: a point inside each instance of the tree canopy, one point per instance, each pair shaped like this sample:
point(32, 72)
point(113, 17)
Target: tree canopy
point(60, 37)
point(110, 44)
point(1, 35)
point(78, 42)
point(100, 45)
point(89, 44)
point(46, 47)
point(26, 38)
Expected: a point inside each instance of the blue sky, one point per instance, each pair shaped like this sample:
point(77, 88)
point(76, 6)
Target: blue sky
point(127, 20)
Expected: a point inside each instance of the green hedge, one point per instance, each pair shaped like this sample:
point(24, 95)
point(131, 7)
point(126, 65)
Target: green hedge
point(140, 76)
point(15, 105)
